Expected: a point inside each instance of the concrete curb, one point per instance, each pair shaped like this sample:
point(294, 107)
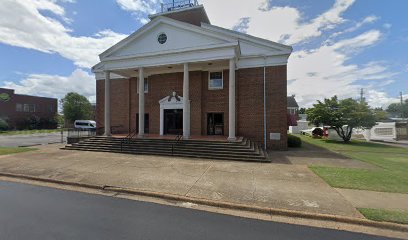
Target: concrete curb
point(227, 205)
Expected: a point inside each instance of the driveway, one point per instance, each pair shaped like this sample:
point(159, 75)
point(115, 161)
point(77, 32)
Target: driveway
point(23, 140)
point(283, 186)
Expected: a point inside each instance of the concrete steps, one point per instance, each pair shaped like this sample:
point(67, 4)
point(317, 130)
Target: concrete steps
point(241, 150)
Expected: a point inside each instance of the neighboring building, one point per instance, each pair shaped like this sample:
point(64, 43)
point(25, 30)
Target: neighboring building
point(93, 111)
point(293, 107)
point(20, 110)
point(197, 79)
point(293, 111)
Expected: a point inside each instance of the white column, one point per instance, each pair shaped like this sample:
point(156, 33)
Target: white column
point(141, 103)
point(161, 121)
point(186, 103)
point(231, 101)
point(107, 104)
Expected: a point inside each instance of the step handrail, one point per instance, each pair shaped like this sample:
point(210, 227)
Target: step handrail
point(127, 139)
point(177, 141)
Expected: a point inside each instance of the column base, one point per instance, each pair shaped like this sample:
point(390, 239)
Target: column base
point(232, 139)
point(186, 137)
point(140, 135)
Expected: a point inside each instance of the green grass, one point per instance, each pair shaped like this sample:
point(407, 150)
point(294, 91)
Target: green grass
point(392, 162)
point(385, 215)
point(18, 132)
point(10, 150)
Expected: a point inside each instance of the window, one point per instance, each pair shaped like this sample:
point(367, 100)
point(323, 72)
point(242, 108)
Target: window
point(19, 107)
point(215, 81)
point(162, 38)
point(31, 107)
point(50, 108)
point(26, 108)
point(146, 86)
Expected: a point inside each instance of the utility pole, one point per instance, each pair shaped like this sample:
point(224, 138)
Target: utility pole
point(402, 100)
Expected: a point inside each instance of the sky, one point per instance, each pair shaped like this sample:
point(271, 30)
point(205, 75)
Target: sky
point(339, 46)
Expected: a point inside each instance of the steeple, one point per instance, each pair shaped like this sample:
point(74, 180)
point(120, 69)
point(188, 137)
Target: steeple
point(189, 11)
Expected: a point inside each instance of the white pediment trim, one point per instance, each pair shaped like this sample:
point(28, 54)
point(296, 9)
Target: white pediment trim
point(250, 39)
point(155, 22)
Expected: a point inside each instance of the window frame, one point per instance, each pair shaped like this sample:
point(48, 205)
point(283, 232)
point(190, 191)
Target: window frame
point(19, 107)
point(222, 80)
point(146, 85)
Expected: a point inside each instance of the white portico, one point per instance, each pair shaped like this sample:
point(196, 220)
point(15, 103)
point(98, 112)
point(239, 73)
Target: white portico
point(165, 46)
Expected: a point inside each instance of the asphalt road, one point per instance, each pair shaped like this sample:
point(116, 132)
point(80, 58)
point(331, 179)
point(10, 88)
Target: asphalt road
point(33, 212)
point(30, 139)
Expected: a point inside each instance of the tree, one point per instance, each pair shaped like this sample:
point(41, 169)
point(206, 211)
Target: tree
point(398, 109)
point(3, 125)
point(342, 115)
point(380, 114)
point(75, 107)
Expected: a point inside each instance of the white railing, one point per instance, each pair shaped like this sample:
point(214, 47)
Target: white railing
point(175, 5)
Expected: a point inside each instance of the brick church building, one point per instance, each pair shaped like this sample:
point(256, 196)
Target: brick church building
point(178, 74)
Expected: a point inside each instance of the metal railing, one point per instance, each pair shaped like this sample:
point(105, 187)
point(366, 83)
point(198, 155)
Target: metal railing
point(176, 141)
point(175, 5)
point(127, 139)
point(81, 133)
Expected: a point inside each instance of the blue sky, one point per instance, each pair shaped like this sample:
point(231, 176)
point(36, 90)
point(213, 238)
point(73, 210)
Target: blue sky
point(48, 46)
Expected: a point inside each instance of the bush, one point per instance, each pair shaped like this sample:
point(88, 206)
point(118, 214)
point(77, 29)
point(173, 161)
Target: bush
point(294, 141)
point(3, 125)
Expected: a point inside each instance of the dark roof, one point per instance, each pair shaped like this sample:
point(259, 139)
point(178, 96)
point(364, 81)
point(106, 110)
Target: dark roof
point(292, 102)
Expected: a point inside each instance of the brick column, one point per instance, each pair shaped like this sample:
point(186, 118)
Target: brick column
point(107, 104)
point(141, 103)
point(186, 102)
point(231, 101)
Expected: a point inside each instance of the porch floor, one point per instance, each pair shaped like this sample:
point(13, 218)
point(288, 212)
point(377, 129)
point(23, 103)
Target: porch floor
point(172, 137)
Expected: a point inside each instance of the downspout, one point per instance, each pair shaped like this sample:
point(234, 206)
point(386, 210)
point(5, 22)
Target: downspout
point(264, 89)
point(129, 106)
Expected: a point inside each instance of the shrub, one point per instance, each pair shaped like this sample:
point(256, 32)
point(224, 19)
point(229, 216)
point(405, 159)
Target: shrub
point(3, 125)
point(294, 141)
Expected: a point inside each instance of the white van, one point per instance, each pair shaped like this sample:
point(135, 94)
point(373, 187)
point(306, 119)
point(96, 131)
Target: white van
point(85, 124)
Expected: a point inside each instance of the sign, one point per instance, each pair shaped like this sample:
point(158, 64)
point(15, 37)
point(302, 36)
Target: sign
point(275, 136)
point(4, 97)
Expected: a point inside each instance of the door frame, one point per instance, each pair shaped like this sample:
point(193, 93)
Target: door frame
point(208, 124)
point(165, 103)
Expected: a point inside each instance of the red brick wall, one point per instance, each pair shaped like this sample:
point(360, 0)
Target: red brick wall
point(249, 97)
point(250, 105)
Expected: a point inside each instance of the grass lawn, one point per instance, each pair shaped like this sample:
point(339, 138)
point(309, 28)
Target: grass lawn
point(17, 132)
point(392, 175)
point(10, 150)
point(385, 215)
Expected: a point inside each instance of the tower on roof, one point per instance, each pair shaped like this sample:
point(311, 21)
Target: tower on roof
point(189, 11)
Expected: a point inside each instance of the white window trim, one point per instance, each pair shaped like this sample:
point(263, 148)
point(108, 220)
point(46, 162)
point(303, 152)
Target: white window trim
point(146, 83)
point(222, 78)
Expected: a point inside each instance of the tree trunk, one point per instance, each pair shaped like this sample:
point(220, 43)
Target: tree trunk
point(345, 135)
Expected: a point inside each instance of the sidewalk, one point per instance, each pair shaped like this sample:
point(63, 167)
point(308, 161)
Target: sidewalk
point(283, 186)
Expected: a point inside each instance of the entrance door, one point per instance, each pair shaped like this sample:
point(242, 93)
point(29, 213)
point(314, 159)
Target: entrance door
point(215, 123)
point(173, 121)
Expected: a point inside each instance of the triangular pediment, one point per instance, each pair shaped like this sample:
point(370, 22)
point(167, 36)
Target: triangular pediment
point(179, 36)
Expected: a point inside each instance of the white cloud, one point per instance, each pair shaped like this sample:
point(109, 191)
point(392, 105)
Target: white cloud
point(23, 25)
point(56, 86)
point(140, 7)
point(331, 75)
point(277, 23)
